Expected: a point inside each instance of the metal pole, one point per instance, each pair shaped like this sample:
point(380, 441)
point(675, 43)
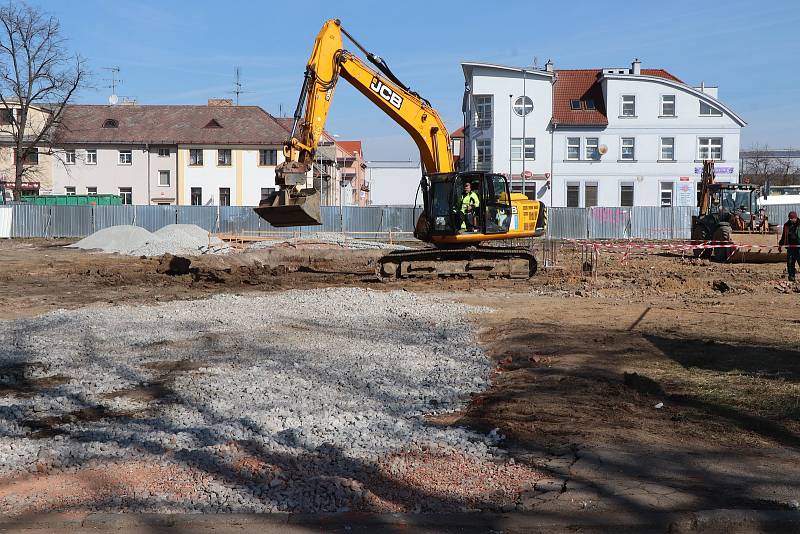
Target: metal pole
point(524, 99)
point(510, 117)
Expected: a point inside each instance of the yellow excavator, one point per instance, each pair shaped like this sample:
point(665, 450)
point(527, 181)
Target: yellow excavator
point(458, 224)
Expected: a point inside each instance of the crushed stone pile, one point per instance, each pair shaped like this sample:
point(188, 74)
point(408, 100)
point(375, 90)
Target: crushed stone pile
point(176, 239)
point(311, 401)
point(326, 240)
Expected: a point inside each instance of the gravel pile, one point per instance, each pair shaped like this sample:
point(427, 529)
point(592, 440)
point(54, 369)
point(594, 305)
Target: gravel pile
point(326, 240)
point(177, 239)
point(290, 401)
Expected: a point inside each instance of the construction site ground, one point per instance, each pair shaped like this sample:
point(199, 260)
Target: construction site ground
point(659, 385)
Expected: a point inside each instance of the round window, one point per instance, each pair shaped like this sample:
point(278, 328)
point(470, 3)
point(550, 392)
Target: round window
point(523, 105)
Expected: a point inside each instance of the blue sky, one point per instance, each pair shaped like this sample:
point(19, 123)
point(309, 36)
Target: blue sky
point(173, 52)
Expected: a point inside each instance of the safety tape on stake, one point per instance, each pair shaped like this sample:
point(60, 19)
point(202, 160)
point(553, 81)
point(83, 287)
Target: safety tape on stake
point(692, 245)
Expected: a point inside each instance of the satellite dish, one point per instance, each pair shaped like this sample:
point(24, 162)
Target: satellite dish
point(603, 149)
point(113, 99)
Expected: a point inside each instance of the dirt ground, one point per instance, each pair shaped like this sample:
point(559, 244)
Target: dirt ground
point(661, 383)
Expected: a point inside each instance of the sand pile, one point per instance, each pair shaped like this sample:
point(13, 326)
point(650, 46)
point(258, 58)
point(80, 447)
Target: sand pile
point(178, 239)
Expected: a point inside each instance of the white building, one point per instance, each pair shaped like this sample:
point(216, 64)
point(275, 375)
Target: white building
point(394, 182)
point(597, 137)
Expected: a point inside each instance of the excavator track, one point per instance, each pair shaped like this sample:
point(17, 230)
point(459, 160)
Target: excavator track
point(471, 262)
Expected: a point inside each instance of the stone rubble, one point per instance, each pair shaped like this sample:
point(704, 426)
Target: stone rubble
point(177, 239)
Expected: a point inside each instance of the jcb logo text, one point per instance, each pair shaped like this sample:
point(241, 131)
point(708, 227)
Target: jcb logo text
point(386, 93)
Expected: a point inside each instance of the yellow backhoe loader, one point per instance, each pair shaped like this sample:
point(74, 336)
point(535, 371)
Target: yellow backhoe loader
point(458, 225)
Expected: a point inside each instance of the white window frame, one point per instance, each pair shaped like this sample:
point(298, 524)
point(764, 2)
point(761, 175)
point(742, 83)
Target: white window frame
point(622, 148)
point(128, 192)
point(622, 113)
point(69, 157)
point(163, 152)
point(591, 143)
point(711, 110)
point(662, 145)
point(529, 148)
point(670, 190)
point(123, 160)
point(566, 194)
point(619, 192)
point(90, 192)
point(169, 178)
point(574, 146)
point(674, 106)
point(484, 117)
point(197, 151)
point(91, 156)
point(710, 146)
point(70, 190)
point(225, 161)
point(521, 107)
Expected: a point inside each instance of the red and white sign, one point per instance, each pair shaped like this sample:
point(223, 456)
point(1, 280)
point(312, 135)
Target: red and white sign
point(527, 174)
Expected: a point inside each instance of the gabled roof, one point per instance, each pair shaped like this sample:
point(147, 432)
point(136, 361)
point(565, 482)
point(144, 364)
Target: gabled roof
point(351, 147)
point(239, 125)
point(458, 133)
point(584, 84)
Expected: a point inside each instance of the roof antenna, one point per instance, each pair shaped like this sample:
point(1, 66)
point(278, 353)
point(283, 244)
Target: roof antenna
point(237, 84)
point(535, 62)
point(113, 99)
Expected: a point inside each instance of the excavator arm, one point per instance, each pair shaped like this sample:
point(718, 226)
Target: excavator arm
point(296, 203)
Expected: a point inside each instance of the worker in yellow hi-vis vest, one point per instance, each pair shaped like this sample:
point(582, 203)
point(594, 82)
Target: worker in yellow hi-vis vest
point(469, 208)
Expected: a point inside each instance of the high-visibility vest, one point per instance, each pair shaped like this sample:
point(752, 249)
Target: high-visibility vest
point(470, 200)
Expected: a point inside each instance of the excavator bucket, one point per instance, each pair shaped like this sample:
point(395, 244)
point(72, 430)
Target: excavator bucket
point(283, 209)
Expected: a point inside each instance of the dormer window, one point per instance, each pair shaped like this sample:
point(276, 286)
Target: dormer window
point(589, 103)
point(213, 124)
point(575, 104)
point(111, 123)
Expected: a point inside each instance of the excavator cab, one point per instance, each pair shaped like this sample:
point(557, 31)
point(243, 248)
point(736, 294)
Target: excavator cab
point(443, 194)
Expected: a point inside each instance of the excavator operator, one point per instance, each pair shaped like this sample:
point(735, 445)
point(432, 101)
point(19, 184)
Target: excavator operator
point(470, 202)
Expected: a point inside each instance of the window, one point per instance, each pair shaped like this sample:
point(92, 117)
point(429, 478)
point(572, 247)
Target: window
point(591, 195)
point(197, 196)
point(163, 178)
point(573, 148)
point(163, 152)
point(516, 148)
point(91, 156)
point(266, 192)
point(483, 111)
point(573, 195)
point(126, 194)
point(456, 142)
point(213, 123)
point(69, 157)
point(224, 157)
point(628, 106)
point(708, 110)
point(110, 123)
point(575, 104)
point(196, 157)
point(666, 194)
point(589, 103)
point(6, 116)
point(69, 190)
point(627, 149)
point(483, 152)
point(268, 156)
point(91, 191)
point(709, 148)
point(31, 158)
point(523, 105)
point(125, 157)
point(626, 195)
point(224, 196)
point(667, 152)
point(667, 105)
point(592, 148)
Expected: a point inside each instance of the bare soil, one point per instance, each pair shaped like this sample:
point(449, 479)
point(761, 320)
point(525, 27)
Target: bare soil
point(660, 383)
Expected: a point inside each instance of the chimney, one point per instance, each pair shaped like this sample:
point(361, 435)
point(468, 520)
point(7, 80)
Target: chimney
point(549, 65)
point(636, 67)
point(220, 102)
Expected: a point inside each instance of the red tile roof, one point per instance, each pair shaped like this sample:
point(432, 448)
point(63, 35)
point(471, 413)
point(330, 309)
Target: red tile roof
point(583, 84)
point(239, 125)
point(458, 133)
point(351, 146)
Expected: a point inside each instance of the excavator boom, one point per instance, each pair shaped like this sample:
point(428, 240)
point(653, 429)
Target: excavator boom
point(296, 203)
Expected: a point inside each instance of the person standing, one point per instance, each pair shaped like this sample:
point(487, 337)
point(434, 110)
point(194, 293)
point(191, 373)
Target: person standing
point(791, 240)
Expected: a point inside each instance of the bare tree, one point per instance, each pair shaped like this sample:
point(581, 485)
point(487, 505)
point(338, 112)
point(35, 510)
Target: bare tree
point(764, 166)
point(36, 72)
